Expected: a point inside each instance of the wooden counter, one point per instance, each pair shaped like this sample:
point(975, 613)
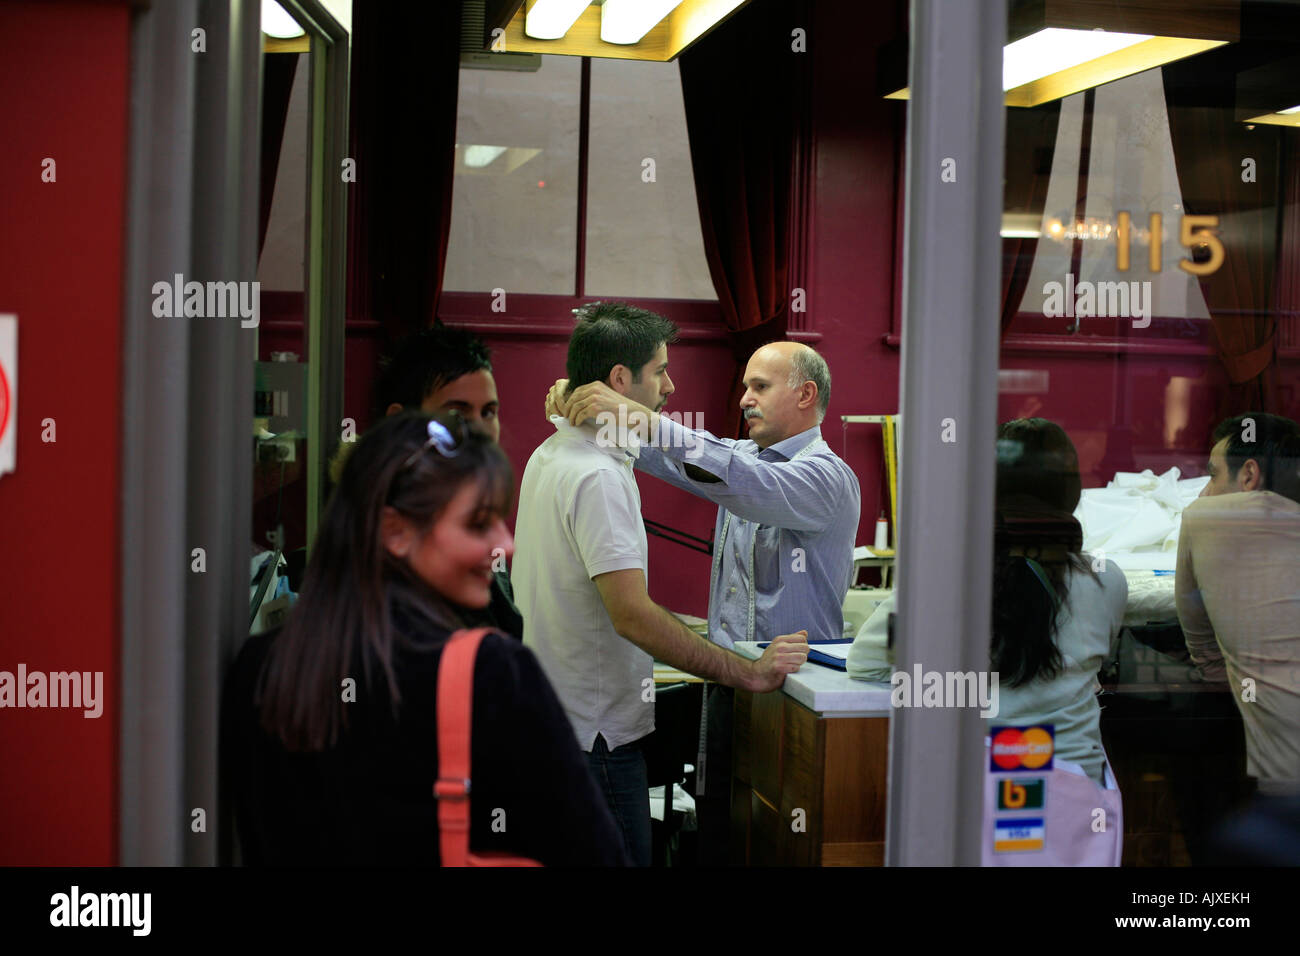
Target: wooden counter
point(820, 747)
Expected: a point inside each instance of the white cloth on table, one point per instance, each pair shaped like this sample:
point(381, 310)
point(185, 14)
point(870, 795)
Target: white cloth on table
point(1134, 520)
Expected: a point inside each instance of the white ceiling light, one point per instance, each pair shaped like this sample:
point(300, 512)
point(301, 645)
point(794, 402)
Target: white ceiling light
point(1287, 117)
point(1053, 50)
point(277, 23)
point(627, 21)
point(1054, 62)
point(551, 19)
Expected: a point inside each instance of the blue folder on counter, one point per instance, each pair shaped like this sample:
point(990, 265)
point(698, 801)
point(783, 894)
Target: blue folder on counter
point(817, 657)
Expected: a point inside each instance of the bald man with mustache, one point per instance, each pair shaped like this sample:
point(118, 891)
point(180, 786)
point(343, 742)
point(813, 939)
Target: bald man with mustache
point(788, 510)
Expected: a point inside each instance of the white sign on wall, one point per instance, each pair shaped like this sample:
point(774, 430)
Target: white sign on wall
point(8, 393)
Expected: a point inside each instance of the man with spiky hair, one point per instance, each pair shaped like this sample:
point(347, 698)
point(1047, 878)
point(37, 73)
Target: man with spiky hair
point(447, 369)
point(439, 369)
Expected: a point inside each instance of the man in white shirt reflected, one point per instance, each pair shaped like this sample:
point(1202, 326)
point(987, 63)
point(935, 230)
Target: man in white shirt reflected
point(1238, 587)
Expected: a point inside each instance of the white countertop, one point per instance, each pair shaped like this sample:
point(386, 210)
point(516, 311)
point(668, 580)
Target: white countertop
point(829, 692)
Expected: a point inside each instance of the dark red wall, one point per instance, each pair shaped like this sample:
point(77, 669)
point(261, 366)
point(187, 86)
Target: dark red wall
point(1111, 400)
point(850, 294)
point(63, 73)
point(853, 246)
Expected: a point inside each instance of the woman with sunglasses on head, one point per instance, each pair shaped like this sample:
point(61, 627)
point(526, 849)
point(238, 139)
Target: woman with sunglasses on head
point(331, 740)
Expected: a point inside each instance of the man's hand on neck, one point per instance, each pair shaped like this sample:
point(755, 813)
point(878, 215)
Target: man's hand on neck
point(589, 403)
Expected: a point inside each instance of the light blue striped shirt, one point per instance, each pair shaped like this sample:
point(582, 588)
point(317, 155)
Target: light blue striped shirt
point(783, 540)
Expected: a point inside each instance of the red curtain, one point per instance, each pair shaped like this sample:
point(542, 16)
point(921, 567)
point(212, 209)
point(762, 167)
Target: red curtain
point(403, 136)
point(742, 86)
point(1287, 296)
point(1027, 173)
point(1209, 146)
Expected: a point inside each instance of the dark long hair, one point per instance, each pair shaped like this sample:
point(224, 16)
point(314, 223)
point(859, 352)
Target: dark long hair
point(1037, 540)
point(353, 584)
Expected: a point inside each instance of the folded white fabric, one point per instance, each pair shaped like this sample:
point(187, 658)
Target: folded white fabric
point(1135, 519)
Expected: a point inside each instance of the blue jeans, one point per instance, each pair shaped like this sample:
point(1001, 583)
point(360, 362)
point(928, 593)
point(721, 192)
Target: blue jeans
point(621, 775)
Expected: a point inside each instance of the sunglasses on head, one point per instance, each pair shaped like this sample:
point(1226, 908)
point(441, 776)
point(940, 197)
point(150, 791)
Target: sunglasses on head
point(441, 438)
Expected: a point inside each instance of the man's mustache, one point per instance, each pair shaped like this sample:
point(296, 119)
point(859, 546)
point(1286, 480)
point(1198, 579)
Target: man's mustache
point(752, 413)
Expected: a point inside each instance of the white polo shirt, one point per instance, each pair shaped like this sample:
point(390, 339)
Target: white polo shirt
point(580, 516)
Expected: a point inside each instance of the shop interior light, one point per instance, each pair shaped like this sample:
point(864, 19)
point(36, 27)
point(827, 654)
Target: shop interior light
point(1287, 117)
point(1053, 63)
point(627, 21)
point(551, 19)
point(1052, 50)
point(654, 31)
point(277, 23)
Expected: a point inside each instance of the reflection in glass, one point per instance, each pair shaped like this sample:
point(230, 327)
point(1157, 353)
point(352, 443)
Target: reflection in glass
point(643, 224)
point(514, 197)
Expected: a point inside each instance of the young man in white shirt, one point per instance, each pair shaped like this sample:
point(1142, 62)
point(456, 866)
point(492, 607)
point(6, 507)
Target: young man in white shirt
point(580, 573)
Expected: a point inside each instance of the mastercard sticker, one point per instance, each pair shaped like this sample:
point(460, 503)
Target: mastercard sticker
point(1015, 749)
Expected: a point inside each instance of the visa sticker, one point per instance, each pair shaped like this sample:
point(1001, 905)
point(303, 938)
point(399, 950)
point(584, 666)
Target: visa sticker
point(1018, 834)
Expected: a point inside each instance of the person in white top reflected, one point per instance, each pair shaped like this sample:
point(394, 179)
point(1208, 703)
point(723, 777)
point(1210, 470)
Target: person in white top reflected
point(580, 573)
point(1238, 587)
point(1055, 608)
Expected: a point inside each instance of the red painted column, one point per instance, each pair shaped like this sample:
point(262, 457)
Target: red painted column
point(63, 97)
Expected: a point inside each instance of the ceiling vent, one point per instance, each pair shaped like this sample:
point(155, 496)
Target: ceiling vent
point(472, 54)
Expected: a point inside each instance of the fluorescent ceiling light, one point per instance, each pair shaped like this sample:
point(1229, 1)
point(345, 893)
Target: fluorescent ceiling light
point(1054, 63)
point(1287, 117)
point(657, 30)
point(277, 23)
point(627, 21)
point(479, 156)
point(551, 19)
point(1052, 50)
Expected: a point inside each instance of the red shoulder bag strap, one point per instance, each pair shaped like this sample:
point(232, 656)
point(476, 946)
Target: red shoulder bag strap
point(455, 702)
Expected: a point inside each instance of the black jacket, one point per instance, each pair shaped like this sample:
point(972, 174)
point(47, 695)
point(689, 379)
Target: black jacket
point(501, 613)
point(368, 800)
